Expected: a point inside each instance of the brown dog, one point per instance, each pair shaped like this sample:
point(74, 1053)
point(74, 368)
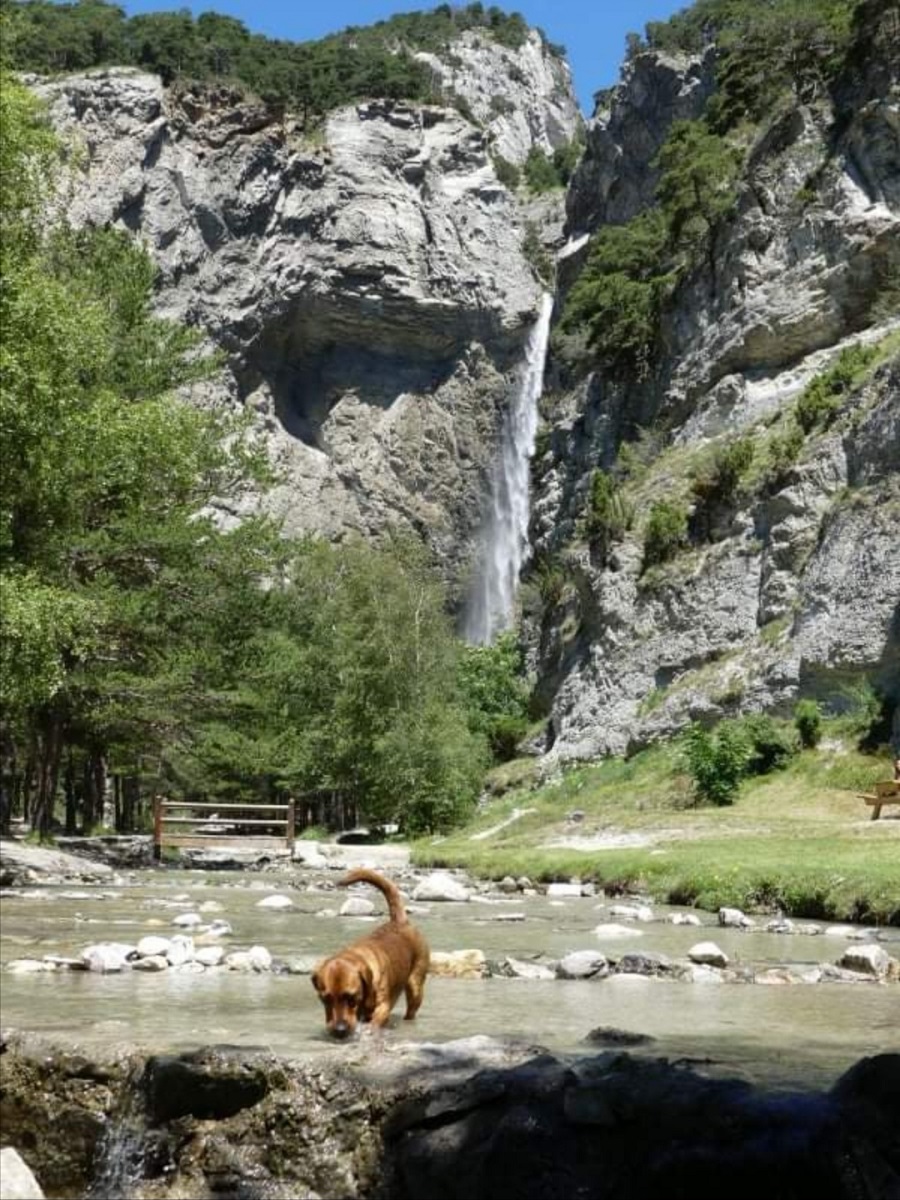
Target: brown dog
point(363, 981)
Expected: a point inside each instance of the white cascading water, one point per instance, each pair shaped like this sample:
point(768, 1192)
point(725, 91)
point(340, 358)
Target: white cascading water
point(504, 543)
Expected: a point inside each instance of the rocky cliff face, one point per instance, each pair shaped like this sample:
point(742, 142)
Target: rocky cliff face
point(368, 283)
point(371, 292)
point(795, 588)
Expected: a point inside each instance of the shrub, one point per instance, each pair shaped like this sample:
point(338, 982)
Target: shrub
point(507, 172)
point(609, 514)
point(551, 580)
point(771, 744)
point(715, 486)
point(536, 255)
point(717, 483)
point(504, 734)
point(808, 723)
point(783, 451)
point(540, 173)
point(716, 761)
point(666, 532)
point(819, 402)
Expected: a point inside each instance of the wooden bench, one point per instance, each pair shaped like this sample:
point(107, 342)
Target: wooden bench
point(887, 792)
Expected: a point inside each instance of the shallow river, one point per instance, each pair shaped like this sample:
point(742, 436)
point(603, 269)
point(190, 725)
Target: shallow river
point(789, 1034)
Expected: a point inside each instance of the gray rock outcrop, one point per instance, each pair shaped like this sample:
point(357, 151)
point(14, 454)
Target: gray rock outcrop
point(473, 1119)
point(793, 588)
point(367, 283)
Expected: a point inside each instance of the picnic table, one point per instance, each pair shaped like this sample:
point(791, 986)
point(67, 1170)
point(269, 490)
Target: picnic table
point(886, 792)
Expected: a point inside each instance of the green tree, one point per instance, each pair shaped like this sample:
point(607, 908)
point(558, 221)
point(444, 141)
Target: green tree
point(697, 185)
point(618, 294)
point(496, 693)
point(105, 526)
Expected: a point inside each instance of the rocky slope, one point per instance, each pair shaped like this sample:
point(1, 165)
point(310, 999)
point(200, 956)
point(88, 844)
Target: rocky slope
point(795, 588)
point(367, 283)
point(370, 289)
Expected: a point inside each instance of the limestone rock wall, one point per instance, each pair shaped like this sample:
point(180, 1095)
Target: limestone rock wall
point(796, 590)
point(367, 282)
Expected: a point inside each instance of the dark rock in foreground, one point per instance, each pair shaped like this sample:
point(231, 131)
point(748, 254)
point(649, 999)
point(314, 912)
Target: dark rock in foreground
point(477, 1120)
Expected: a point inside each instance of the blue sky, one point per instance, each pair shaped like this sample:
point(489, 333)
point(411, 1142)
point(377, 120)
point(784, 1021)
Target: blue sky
point(592, 31)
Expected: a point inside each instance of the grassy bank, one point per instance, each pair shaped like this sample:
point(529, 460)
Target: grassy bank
point(798, 840)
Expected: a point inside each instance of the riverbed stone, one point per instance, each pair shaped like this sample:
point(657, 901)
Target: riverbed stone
point(209, 956)
point(612, 930)
point(29, 966)
point(559, 890)
point(153, 945)
point(582, 964)
point(218, 928)
point(515, 968)
point(868, 959)
point(181, 950)
point(17, 1180)
point(151, 962)
point(708, 953)
point(683, 919)
point(459, 964)
point(631, 912)
point(440, 886)
point(188, 920)
point(701, 973)
point(781, 925)
point(309, 855)
point(777, 976)
point(357, 906)
point(276, 902)
point(733, 918)
point(257, 958)
point(108, 957)
point(643, 962)
point(507, 884)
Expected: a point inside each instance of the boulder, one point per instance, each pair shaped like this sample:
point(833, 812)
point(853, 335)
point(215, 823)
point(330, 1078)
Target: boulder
point(582, 964)
point(708, 953)
point(17, 1180)
point(440, 886)
point(867, 958)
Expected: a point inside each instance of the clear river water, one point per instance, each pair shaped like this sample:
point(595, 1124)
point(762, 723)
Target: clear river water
point(802, 1034)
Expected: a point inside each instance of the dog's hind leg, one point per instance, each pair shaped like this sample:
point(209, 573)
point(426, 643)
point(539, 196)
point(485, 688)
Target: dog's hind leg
point(415, 991)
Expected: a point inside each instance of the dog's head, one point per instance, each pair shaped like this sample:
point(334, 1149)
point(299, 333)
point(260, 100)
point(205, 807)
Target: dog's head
point(345, 989)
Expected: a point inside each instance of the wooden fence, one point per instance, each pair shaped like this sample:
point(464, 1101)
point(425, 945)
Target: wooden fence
point(212, 826)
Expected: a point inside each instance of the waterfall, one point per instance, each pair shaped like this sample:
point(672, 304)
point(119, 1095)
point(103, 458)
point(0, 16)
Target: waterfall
point(504, 540)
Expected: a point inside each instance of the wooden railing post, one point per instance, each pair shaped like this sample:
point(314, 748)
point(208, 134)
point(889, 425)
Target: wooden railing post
point(291, 819)
point(157, 828)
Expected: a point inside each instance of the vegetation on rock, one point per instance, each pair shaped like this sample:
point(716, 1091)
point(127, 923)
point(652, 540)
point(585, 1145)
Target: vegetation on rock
point(310, 78)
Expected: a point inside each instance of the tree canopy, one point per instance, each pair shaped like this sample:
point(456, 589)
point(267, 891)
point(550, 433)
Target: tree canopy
point(310, 77)
point(145, 640)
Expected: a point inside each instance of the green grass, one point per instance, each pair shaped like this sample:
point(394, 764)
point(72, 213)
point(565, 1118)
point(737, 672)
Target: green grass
point(798, 840)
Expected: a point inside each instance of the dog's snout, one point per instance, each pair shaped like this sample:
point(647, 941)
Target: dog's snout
point(340, 1029)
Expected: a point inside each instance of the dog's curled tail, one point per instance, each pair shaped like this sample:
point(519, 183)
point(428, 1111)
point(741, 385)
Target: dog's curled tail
point(390, 891)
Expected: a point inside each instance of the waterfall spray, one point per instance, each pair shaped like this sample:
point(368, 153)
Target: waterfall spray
point(504, 542)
